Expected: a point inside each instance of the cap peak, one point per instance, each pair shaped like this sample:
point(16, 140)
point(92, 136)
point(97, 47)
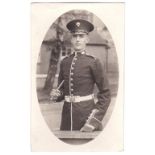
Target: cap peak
point(80, 25)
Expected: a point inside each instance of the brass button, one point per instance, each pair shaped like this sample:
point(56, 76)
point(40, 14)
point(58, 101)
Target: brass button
point(71, 79)
point(71, 73)
point(71, 84)
point(72, 68)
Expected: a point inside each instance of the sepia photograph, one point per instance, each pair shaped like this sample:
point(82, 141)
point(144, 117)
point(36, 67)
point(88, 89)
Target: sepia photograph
point(77, 73)
point(77, 77)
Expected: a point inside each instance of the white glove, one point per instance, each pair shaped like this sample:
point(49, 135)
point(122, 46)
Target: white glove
point(87, 128)
point(54, 94)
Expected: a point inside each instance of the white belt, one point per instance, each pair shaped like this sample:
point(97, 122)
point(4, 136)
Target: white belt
point(78, 98)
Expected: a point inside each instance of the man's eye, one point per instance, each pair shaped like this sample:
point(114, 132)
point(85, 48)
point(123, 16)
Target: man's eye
point(81, 35)
point(75, 36)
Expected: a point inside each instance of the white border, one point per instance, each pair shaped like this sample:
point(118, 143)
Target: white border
point(43, 15)
point(139, 59)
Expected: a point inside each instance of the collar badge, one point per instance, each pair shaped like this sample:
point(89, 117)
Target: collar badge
point(78, 24)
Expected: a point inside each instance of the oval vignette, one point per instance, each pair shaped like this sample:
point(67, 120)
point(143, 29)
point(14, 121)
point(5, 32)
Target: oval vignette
point(55, 46)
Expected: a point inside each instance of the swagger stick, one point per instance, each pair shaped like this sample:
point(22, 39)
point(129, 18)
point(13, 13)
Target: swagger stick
point(60, 85)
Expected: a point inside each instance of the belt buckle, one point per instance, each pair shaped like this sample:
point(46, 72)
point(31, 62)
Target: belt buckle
point(72, 98)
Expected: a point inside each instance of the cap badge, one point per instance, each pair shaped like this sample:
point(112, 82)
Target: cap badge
point(78, 24)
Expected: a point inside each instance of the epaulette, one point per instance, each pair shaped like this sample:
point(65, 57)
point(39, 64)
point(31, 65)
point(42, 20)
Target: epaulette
point(92, 56)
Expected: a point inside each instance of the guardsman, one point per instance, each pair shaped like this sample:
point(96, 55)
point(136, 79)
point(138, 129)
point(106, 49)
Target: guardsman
point(79, 72)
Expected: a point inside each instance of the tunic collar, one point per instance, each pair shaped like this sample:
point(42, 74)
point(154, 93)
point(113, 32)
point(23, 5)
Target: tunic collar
point(79, 53)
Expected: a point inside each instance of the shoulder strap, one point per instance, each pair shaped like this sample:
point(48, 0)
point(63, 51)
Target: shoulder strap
point(92, 56)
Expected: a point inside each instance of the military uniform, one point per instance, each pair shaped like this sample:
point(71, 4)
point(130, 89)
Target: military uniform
point(80, 72)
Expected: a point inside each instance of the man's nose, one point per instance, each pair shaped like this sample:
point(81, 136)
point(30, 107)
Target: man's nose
point(77, 38)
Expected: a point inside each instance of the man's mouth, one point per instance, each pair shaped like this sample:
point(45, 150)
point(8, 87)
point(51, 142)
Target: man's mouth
point(78, 44)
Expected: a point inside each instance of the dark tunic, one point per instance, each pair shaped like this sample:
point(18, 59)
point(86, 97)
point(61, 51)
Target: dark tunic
point(80, 73)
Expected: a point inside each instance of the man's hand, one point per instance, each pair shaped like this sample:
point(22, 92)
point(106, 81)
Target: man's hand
point(54, 94)
point(87, 128)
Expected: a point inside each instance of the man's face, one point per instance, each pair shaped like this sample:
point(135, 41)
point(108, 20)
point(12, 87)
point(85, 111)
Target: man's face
point(79, 41)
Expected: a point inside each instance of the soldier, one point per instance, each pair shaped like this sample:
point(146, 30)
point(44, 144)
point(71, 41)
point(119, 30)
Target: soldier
point(79, 72)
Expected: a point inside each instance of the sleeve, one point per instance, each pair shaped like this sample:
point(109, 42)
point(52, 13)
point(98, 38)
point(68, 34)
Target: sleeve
point(103, 96)
point(60, 79)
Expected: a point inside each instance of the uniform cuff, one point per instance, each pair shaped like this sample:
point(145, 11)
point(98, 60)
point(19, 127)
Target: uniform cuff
point(95, 123)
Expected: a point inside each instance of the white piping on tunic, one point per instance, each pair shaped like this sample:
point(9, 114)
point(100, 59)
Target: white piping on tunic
point(71, 112)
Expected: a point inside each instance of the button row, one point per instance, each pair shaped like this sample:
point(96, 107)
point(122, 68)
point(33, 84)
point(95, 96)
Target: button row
point(71, 75)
